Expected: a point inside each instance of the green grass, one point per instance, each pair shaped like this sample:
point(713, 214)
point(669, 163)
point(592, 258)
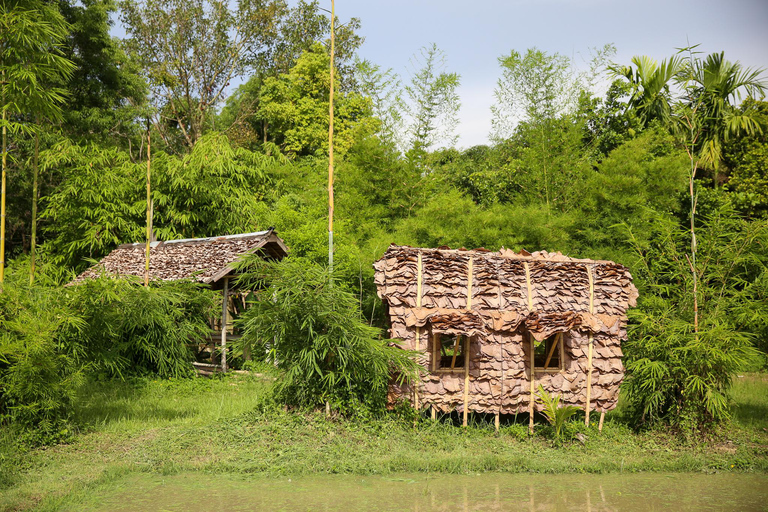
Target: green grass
point(228, 426)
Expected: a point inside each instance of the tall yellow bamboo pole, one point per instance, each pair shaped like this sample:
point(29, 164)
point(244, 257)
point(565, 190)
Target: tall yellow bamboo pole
point(2, 200)
point(330, 145)
point(149, 208)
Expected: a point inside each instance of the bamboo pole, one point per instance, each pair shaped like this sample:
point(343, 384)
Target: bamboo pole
point(600, 425)
point(33, 241)
point(149, 208)
point(532, 399)
point(330, 145)
point(470, 270)
point(419, 279)
point(588, 405)
point(224, 326)
point(2, 194)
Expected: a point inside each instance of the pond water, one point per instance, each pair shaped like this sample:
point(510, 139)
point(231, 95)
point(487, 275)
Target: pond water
point(436, 492)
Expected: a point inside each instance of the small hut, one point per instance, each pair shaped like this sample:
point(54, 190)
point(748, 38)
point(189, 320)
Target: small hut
point(494, 326)
point(206, 260)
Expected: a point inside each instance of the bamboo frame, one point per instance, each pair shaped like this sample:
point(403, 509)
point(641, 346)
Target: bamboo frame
point(588, 404)
point(532, 404)
point(419, 285)
point(470, 271)
point(224, 304)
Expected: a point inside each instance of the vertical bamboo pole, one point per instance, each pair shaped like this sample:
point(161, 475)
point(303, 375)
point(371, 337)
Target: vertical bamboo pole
point(532, 399)
point(149, 208)
point(330, 145)
point(419, 280)
point(588, 405)
point(2, 194)
point(470, 270)
point(224, 326)
point(33, 241)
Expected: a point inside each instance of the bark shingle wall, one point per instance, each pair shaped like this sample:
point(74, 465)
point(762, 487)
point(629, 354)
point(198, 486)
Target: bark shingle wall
point(500, 319)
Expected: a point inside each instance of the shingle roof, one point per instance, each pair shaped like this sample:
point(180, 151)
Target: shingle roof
point(203, 259)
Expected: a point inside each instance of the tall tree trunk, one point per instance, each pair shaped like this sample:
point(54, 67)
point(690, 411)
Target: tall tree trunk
point(330, 150)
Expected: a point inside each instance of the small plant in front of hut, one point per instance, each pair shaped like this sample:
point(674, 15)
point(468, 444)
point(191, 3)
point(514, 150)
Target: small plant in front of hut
point(555, 414)
point(310, 327)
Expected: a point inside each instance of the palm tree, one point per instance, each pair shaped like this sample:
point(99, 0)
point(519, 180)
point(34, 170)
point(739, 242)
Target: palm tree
point(716, 85)
point(651, 97)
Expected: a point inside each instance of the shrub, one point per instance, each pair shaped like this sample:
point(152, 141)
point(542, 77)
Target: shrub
point(38, 381)
point(311, 328)
point(135, 329)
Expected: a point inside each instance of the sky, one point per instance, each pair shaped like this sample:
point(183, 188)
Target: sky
point(475, 34)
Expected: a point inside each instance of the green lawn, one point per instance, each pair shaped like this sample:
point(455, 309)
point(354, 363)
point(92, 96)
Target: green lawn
point(222, 426)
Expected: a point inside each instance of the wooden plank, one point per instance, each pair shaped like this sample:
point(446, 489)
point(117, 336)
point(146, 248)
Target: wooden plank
point(552, 350)
point(455, 350)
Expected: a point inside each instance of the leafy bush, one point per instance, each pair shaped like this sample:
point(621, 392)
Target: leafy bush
point(38, 381)
point(311, 328)
point(135, 329)
point(676, 374)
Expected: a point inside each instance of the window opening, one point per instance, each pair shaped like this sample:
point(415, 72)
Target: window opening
point(548, 354)
point(449, 352)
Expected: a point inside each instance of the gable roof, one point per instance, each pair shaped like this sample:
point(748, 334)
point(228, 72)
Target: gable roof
point(548, 292)
point(206, 260)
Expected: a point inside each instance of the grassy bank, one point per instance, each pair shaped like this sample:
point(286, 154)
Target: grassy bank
point(222, 426)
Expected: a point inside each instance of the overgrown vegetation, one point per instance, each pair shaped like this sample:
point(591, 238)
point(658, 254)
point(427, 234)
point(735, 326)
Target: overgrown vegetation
point(230, 425)
point(308, 325)
point(665, 173)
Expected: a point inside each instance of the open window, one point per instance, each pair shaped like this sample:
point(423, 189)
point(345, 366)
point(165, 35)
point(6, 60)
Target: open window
point(548, 354)
point(449, 352)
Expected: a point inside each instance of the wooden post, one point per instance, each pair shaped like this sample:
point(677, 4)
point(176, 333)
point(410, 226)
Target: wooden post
point(588, 405)
point(600, 425)
point(224, 326)
point(419, 280)
point(466, 345)
point(466, 379)
point(433, 412)
point(532, 404)
point(496, 421)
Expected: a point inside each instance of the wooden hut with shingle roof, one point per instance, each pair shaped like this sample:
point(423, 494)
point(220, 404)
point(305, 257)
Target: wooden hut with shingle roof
point(206, 260)
point(494, 326)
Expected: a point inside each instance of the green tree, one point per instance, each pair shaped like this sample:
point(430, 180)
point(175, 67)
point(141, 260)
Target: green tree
point(31, 64)
point(746, 157)
point(295, 106)
point(713, 86)
point(651, 98)
point(432, 103)
point(190, 51)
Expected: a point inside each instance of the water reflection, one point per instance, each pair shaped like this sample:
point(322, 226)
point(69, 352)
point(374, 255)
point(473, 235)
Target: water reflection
point(421, 493)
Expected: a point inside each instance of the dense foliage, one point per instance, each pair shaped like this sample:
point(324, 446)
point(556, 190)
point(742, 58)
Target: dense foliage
point(665, 172)
point(309, 326)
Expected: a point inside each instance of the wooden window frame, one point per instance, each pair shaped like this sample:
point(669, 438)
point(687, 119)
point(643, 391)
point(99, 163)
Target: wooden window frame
point(560, 346)
point(436, 344)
